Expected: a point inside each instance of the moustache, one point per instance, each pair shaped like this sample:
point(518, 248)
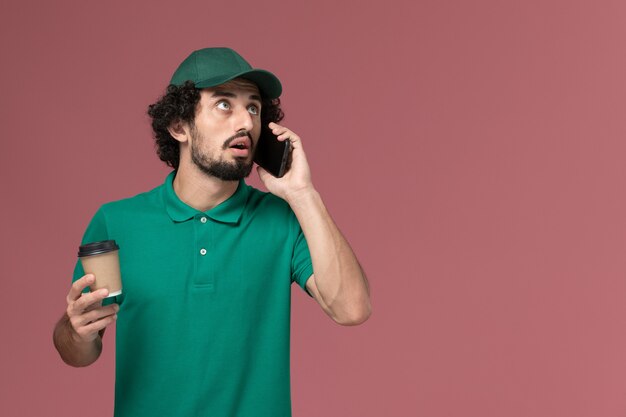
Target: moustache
point(236, 136)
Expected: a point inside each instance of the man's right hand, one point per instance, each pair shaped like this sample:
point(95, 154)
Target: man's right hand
point(85, 312)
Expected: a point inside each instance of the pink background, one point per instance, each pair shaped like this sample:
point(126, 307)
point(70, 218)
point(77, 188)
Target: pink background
point(472, 152)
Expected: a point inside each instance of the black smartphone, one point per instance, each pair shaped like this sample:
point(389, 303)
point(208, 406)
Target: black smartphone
point(273, 155)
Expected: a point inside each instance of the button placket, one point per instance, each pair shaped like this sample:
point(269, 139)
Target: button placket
point(204, 233)
point(202, 250)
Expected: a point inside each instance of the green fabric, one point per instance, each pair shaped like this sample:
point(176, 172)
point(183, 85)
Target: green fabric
point(210, 67)
point(203, 335)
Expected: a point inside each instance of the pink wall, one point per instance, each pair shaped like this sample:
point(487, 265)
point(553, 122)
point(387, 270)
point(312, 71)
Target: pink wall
point(472, 152)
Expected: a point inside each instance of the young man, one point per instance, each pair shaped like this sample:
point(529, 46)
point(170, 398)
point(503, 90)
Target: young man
point(207, 261)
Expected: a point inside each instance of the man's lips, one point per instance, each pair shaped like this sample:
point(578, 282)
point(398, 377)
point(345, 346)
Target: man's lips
point(241, 143)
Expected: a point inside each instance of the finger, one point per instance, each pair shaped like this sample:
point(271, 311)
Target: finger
point(283, 133)
point(296, 142)
point(97, 314)
point(278, 129)
point(90, 300)
point(86, 300)
point(78, 286)
point(93, 328)
point(288, 135)
point(92, 306)
point(293, 138)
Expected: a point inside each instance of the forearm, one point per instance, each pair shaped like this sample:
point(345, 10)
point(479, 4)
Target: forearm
point(74, 352)
point(339, 278)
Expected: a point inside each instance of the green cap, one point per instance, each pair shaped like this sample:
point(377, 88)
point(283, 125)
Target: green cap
point(210, 67)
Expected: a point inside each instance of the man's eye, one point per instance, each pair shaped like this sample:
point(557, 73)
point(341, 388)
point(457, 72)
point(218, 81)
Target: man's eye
point(253, 109)
point(222, 105)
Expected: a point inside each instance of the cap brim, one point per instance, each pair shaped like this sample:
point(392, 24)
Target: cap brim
point(269, 85)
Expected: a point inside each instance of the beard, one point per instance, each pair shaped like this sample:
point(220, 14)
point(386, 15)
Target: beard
point(237, 170)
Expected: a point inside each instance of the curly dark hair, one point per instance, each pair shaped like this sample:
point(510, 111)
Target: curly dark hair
point(179, 103)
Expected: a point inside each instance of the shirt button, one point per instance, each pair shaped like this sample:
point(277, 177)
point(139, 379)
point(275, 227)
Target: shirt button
point(202, 251)
point(203, 219)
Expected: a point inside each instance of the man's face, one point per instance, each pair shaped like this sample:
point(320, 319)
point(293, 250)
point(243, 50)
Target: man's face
point(226, 129)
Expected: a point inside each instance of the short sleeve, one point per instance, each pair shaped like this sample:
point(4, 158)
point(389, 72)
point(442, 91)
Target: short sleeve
point(301, 265)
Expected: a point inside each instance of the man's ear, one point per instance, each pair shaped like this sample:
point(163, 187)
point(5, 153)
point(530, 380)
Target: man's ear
point(179, 130)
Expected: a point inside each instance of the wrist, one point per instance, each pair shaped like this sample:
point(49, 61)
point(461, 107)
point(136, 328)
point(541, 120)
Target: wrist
point(302, 196)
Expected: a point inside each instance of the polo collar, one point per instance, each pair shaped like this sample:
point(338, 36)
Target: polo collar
point(228, 211)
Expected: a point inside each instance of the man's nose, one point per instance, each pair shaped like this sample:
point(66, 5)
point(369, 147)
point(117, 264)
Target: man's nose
point(243, 120)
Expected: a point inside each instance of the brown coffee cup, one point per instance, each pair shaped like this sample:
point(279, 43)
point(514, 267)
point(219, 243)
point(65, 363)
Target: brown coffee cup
point(102, 260)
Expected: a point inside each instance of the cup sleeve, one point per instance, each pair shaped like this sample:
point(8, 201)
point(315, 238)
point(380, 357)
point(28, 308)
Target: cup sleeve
point(96, 231)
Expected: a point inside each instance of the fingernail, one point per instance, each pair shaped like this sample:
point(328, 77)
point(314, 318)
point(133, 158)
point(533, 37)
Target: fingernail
point(104, 292)
point(115, 317)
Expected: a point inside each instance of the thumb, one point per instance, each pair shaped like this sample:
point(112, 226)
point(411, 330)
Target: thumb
point(262, 173)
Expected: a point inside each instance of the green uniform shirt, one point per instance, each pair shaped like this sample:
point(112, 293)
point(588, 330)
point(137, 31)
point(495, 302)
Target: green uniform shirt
point(203, 326)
